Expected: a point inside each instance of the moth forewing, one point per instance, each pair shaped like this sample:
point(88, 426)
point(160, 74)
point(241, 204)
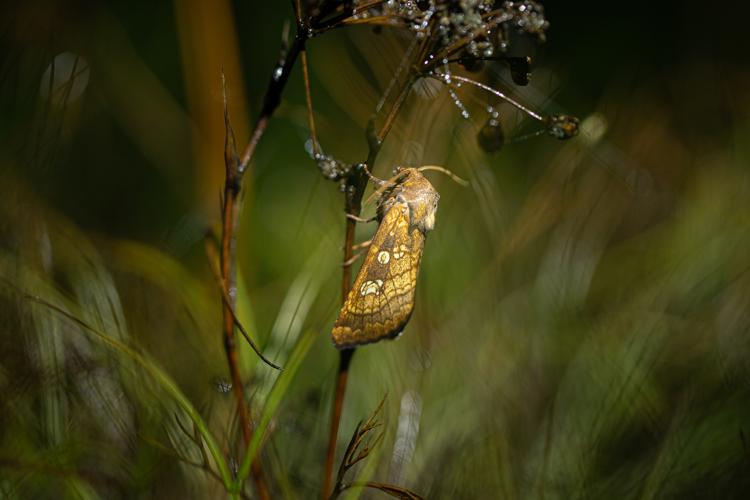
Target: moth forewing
point(382, 297)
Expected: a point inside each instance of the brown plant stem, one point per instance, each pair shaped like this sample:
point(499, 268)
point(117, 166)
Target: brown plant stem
point(392, 489)
point(232, 189)
point(355, 188)
point(342, 375)
point(235, 169)
point(356, 183)
point(308, 100)
point(359, 448)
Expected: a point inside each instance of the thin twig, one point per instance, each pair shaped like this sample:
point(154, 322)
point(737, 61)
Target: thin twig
point(205, 464)
point(442, 77)
point(212, 257)
point(374, 21)
point(235, 169)
point(272, 99)
point(391, 118)
point(462, 42)
point(230, 221)
point(359, 447)
point(308, 100)
point(391, 489)
point(345, 359)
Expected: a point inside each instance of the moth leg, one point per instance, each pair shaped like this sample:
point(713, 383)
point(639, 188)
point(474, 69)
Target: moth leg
point(354, 258)
point(364, 244)
point(360, 219)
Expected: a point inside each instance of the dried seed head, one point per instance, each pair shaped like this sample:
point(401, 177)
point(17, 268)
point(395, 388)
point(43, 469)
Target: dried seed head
point(481, 26)
point(331, 168)
point(562, 126)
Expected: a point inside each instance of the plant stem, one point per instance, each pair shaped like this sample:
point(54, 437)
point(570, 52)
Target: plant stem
point(355, 188)
point(356, 183)
point(308, 100)
point(235, 169)
point(342, 375)
point(230, 220)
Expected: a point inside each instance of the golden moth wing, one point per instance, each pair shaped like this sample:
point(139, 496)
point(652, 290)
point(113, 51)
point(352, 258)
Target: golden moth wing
point(382, 297)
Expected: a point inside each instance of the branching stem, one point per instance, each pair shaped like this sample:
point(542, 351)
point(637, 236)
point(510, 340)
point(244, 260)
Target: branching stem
point(235, 170)
point(356, 183)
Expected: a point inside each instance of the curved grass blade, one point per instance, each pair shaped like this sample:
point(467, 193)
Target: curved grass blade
point(272, 404)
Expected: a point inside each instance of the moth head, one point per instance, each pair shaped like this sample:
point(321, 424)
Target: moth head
point(422, 199)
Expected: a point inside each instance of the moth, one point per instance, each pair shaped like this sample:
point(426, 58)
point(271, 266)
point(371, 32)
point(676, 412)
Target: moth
point(382, 297)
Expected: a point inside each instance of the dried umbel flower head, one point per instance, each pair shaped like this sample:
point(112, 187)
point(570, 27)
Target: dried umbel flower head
point(446, 34)
point(468, 33)
point(481, 28)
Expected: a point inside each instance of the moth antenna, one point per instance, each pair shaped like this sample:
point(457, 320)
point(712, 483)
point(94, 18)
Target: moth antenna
point(385, 185)
point(374, 179)
point(456, 179)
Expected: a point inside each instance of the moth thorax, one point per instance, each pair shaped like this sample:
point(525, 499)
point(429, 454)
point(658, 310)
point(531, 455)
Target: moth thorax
point(416, 192)
point(422, 200)
point(423, 213)
point(429, 221)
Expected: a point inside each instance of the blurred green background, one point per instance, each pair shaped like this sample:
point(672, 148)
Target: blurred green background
point(582, 315)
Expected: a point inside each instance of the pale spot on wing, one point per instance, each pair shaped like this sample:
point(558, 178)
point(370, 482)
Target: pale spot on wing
point(370, 287)
point(384, 257)
point(400, 252)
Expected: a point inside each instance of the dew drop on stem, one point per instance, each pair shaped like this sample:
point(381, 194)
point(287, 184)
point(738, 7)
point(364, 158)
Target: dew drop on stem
point(491, 136)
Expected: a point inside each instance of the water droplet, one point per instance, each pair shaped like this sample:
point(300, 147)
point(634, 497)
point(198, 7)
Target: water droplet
point(309, 148)
point(520, 69)
point(458, 103)
point(278, 72)
point(221, 385)
point(329, 167)
point(491, 137)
